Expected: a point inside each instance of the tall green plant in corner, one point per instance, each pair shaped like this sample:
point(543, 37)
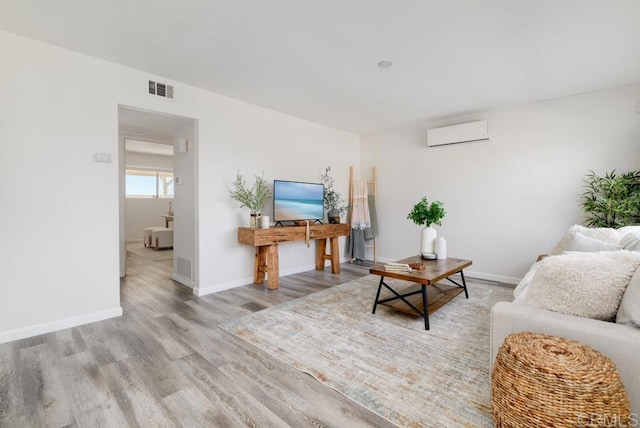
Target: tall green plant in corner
point(612, 200)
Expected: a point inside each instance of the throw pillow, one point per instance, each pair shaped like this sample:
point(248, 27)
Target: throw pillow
point(588, 285)
point(579, 242)
point(627, 229)
point(631, 241)
point(629, 311)
point(520, 292)
point(605, 234)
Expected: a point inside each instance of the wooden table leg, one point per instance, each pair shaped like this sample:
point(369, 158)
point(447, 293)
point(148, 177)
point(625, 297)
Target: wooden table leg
point(335, 255)
point(321, 249)
point(273, 270)
point(260, 265)
point(267, 262)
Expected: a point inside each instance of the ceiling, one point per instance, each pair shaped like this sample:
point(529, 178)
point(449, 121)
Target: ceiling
point(151, 127)
point(317, 60)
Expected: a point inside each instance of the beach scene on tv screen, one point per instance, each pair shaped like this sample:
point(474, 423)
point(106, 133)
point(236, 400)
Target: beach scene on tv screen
point(297, 201)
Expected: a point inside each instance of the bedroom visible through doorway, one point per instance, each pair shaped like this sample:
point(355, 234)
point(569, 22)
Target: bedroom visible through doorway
point(158, 176)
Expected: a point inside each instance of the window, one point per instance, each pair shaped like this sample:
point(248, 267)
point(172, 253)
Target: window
point(141, 183)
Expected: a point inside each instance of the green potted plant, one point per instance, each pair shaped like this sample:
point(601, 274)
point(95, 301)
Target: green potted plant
point(253, 198)
point(612, 200)
point(426, 214)
point(333, 202)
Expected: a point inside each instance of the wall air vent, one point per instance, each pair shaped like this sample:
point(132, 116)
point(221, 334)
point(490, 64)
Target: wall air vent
point(465, 132)
point(161, 90)
point(183, 268)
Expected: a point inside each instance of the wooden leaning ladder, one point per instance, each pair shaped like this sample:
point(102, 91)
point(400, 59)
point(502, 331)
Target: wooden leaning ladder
point(372, 187)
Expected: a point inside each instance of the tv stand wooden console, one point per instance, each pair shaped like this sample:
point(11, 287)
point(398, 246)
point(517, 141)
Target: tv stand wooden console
point(266, 242)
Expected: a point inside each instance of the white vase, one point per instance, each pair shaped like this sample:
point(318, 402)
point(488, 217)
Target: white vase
point(441, 248)
point(428, 240)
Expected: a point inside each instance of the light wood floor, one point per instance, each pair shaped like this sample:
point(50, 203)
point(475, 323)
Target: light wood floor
point(166, 363)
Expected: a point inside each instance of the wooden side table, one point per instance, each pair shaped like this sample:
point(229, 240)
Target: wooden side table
point(167, 219)
point(266, 242)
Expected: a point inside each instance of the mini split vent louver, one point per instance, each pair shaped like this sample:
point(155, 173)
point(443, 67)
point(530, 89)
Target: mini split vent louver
point(462, 133)
point(161, 90)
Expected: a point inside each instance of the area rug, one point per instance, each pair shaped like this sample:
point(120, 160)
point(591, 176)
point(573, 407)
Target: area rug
point(139, 249)
point(386, 361)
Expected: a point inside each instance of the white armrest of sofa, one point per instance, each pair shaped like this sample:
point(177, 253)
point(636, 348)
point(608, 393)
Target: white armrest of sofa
point(621, 343)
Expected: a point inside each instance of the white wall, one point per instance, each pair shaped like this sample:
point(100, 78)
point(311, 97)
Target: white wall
point(60, 208)
point(507, 199)
point(145, 212)
point(59, 254)
point(121, 206)
point(184, 238)
point(510, 198)
point(140, 213)
point(299, 151)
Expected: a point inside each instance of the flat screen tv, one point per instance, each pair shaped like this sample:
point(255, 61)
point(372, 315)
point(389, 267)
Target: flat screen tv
point(294, 200)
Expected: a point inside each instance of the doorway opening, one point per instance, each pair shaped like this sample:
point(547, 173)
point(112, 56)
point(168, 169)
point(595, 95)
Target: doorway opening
point(158, 188)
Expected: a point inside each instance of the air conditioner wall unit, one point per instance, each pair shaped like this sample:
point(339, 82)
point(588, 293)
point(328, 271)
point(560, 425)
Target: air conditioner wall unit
point(462, 133)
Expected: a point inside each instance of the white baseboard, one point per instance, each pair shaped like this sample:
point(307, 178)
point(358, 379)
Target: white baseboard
point(492, 277)
point(210, 289)
point(183, 280)
point(36, 330)
point(203, 291)
point(474, 274)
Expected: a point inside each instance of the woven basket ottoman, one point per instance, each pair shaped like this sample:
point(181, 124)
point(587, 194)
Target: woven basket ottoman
point(547, 381)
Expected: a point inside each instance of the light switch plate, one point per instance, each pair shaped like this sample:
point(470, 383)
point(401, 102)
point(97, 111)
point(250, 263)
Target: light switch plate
point(102, 157)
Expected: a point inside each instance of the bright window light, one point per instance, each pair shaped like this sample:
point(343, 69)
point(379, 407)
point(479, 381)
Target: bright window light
point(148, 184)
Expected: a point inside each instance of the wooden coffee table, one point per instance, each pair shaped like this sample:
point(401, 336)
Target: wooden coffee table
point(415, 301)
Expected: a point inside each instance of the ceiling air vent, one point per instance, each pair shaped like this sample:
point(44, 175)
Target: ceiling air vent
point(161, 90)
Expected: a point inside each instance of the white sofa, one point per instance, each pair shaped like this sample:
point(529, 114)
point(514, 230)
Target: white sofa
point(619, 342)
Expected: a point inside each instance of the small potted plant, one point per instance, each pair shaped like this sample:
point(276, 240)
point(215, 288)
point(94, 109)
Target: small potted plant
point(425, 214)
point(253, 198)
point(333, 202)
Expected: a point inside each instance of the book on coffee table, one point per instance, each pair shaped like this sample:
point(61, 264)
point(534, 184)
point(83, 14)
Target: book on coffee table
point(397, 267)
